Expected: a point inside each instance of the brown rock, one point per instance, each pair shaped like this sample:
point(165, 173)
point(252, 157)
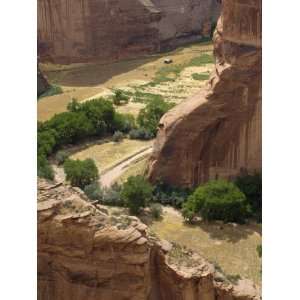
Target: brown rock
point(78, 31)
point(82, 256)
point(217, 133)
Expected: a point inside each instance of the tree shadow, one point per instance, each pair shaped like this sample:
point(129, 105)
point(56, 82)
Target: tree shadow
point(229, 232)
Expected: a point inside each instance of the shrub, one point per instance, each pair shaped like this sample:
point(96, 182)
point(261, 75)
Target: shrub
point(120, 97)
point(46, 141)
point(140, 134)
point(112, 196)
point(53, 90)
point(118, 136)
point(217, 200)
point(259, 250)
point(149, 116)
point(136, 192)
point(61, 156)
point(93, 191)
point(45, 170)
point(251, 186)
point(123, 122)
point(81, 173)
point(156, 210)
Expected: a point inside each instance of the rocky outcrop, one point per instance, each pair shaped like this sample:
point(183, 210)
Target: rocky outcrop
point(217, 133)
point(85, 254)
point(42, 82)
point(85, 30)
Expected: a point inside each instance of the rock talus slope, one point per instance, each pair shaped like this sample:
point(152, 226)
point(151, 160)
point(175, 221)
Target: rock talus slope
point(217, 133)
point(84, 30)
point(84, 254)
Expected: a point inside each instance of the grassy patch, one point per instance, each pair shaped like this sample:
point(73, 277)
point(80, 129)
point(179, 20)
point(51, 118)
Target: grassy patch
point(202, 60)
point(200, 76)
point(143, 97)
point(53, 90)
point(108, 154)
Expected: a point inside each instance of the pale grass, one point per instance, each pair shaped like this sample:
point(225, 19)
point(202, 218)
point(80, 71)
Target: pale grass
point(232, 247)
point(109, 154)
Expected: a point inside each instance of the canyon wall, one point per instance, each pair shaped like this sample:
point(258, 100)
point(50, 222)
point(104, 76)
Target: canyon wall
point(85, 30)
point(42, 82)
point(217, 133)
point(85, 254)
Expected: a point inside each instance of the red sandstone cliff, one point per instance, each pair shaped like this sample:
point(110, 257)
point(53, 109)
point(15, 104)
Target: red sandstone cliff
point(84, 30)
point(217, 133)
point(84, 254)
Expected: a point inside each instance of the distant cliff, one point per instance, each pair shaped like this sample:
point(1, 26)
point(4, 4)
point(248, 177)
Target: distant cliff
point(217, 133)
point(85, 30)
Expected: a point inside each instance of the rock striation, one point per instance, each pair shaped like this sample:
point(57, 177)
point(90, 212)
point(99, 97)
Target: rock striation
point(84, 30)
point(85, 254)
point(217, 132)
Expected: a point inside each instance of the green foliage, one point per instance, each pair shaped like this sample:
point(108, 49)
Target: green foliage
point(44, 169)
point(169, 195)
point(136, 192)
point(202, 60)
point(120, 97)
point(81, 173)
point(123, 122)
point(200, 76)
point(61, 156)
point(93, 191)
point(53, 90)
point(217, 200)
point(112, 196)
point(118, 136)
point(143, 97)
point(46, 141)
point(156, 210)
point(251, 186)
point(149, 116)
point(259, 250)
point(140, 134)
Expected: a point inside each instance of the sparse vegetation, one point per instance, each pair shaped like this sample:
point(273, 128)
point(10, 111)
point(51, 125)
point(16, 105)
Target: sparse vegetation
point(136, 193)
point(53, 90)
point(118, 136)
point(112, 196)
point(201, 60)
point(120, 97)
point(259, 250)
point(141, 134)
point(156, 210)
point(61, 156)
point(200, 76)
point(81, 173)
point(93, 191)
point(217, 200)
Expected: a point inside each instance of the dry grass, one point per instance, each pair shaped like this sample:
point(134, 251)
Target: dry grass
point(137, 168)
point(232, 247)
point(108, 154)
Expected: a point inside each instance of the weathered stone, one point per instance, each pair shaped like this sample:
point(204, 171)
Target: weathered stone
point(78, 31)
point(217, 133)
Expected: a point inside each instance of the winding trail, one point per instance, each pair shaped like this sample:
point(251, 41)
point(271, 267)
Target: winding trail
point(109, 177)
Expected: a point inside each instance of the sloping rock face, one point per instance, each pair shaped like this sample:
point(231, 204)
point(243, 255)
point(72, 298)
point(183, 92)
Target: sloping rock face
point(84, 254)
point(42, 82)
point(217, 133)
point(85, 30)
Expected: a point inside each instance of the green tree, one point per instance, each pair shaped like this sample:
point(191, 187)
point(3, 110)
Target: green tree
point(81, 173)
point(149, 117)
point(136, 193)
point(217, 200)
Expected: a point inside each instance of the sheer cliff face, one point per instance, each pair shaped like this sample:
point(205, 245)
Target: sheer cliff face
point(217, 133)
point(84, 254)
point(83, 30)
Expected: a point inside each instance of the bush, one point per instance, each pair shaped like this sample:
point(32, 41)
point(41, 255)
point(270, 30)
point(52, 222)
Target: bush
point(118, 136)
point(112, 196)
point(53, 90)
point(120, 97)
point(46, 141)
point(61, 157)
point(149, 116)
point(93, 191)
point(123, 122)
point(81, 173)
point(251, 186)
point(140, 134)
point(217, 200)
point(156, 210)
point(136, 192)
point(45, 170)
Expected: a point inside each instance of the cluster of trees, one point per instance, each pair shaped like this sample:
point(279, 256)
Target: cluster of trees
point(96, 118)
point(228, 201)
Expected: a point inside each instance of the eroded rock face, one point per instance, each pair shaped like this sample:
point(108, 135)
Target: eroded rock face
point(84, 30)
point(84, 254)
point(217, 133)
